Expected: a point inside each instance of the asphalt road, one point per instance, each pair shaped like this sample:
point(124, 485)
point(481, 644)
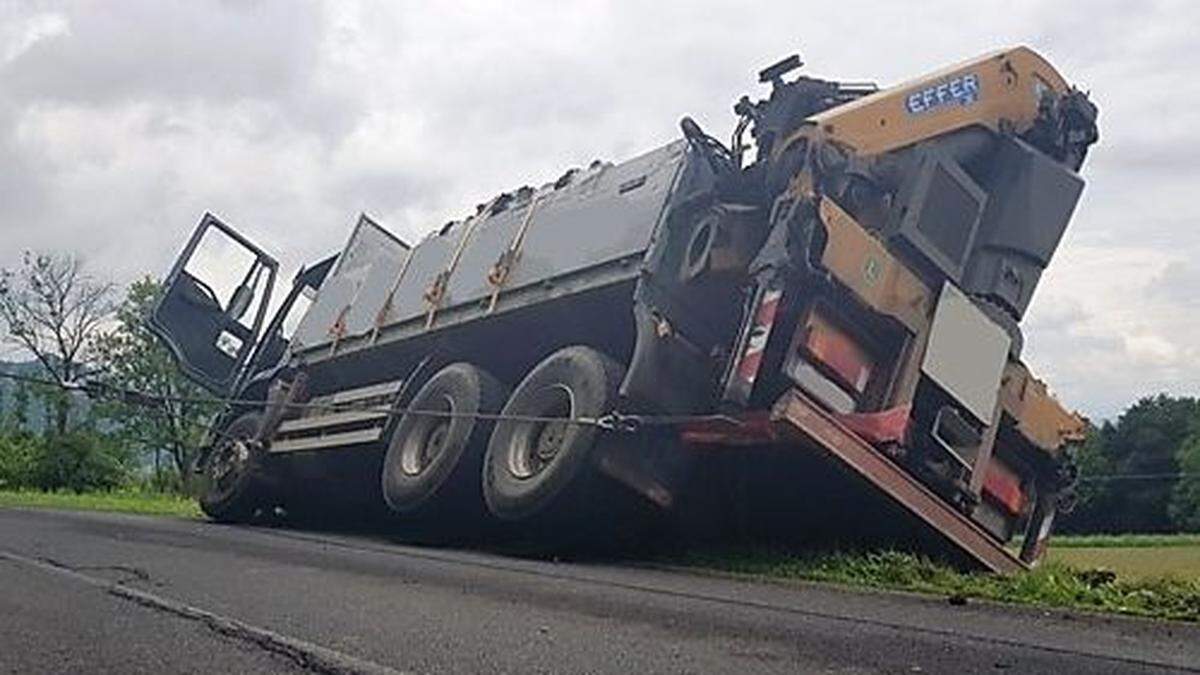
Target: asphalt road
point(108, 593)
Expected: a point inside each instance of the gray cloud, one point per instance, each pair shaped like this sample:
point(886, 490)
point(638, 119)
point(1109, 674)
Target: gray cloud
point(170, 49)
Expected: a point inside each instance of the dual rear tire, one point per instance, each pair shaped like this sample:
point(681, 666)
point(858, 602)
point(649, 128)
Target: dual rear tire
point(530, 465)
point(435, 454)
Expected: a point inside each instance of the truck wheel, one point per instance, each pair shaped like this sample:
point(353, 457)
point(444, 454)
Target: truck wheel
point(433, 459)
point(531, 466)
point(233, 488)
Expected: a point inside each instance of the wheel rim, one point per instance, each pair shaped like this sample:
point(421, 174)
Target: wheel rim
point(536, 445)
point(427, 441)
point(227, 464)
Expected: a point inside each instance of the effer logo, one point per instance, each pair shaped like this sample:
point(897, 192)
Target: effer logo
point(962, 90)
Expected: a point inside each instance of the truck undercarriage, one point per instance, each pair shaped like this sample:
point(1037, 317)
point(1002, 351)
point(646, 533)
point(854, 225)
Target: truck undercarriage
point(853, 293)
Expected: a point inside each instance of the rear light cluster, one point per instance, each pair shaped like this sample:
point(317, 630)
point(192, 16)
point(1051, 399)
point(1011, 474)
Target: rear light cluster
point(1003, 486)
point(756, 343)
point(829, 363)
point(837, 352)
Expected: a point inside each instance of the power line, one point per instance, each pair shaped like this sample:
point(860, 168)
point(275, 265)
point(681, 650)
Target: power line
point(1112, 478)
point(613, 421)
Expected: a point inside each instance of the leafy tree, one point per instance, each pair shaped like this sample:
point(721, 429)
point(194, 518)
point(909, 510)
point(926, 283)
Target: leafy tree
point(1095, 497)
point(1133, 463)
point(1185, 498)
point(1145, 442)
point(131, 358)
point(51, 309)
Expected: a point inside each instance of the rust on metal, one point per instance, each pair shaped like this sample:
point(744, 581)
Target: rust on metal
point(500, 272)
point(1041, 419)
point(436, 291)
point(800, 418)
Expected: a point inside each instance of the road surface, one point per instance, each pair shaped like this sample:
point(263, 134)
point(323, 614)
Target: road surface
point(123, 594)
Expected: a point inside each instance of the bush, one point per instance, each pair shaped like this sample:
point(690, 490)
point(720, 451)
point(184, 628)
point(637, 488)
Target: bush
point(80, 461)
point(19, 455)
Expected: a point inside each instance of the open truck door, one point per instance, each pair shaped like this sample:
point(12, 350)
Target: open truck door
point(212, 309)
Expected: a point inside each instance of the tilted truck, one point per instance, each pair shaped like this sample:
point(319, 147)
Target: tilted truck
point(844, 281)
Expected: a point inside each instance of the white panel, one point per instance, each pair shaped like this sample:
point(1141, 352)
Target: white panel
point(966, 353)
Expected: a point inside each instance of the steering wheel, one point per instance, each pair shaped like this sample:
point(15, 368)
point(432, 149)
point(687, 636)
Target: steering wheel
point(206, 298)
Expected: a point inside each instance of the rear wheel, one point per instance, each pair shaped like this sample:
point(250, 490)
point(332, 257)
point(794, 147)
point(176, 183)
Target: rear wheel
point(233, 485)
point(434, 455)
point(544, 469)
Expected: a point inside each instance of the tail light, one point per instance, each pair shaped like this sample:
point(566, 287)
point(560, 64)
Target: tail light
point(839, 354)
point(760, 331)
point(1003, 486)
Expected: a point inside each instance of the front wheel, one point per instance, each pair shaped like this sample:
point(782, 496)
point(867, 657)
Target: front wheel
point(233, 487)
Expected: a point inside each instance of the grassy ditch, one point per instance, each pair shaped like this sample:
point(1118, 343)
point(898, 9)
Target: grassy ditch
point(1053, 584)
point(119, 501)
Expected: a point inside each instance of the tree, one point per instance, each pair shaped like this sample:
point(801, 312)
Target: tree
point(1145, 442)
point(131, 358)
point(1185, 498)
point(52, 309)
point(1129, 469)
point(1095, 497)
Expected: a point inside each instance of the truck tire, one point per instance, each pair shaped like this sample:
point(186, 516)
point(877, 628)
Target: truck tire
point(233, 484)
point(436, 461)
point(532, 467)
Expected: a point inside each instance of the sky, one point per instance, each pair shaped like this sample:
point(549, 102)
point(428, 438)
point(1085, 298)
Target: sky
point(122, 123)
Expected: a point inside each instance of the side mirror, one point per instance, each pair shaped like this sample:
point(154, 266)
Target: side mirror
point(240, 302)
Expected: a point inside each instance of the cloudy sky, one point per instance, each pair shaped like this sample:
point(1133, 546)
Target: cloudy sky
point(122, 122)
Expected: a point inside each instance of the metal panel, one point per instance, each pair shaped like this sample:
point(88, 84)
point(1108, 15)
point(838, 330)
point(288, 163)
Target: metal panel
point(332, 420)
point(429, 258)
point(599, 216)
point(355, 289)
point(344, 439)
point(966, 353)
point(595, 222)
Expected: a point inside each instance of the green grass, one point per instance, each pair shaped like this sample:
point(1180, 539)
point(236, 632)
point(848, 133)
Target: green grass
point(123, 501)
point(1053, 584)
point(1124, 540)
point(1173, 559)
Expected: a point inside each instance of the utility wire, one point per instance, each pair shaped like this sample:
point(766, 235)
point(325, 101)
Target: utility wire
point(612, 421)
point(1115, 477)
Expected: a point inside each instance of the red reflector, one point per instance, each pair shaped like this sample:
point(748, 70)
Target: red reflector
point(764, 319)
point(1004, 487)
point(877, 428)
point(838, 352)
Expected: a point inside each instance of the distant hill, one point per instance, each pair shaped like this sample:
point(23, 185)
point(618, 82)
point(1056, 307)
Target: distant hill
point(36, 415)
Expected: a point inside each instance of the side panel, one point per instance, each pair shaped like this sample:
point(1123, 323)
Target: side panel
point(361, 277)
point(966, 353)
point(597, 217)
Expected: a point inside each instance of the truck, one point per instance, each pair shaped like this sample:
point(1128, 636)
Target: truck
point(841, 285)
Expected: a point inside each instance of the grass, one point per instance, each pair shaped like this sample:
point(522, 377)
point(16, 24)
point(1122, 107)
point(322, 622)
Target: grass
point(1060, 541)
point(1132, 556)
point(1053, 584)
point(120, 501)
